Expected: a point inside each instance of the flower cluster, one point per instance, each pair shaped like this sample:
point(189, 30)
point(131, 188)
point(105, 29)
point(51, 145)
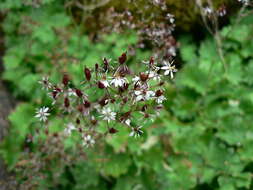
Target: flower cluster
point(109, 95)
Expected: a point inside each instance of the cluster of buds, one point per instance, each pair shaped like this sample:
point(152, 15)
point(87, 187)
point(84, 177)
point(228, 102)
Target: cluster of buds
point(155, 28)
point(210, 12)
point(110, 96)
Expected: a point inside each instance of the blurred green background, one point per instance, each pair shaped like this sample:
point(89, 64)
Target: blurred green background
point(203, 139)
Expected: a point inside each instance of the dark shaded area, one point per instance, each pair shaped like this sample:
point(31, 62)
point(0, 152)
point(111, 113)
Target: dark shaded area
point(7, 181)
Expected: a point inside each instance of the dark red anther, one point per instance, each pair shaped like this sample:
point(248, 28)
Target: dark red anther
point(122, 58)
point(79, 93)
point(113, 130)
point(80, 130)
point(87, 74)
point(158, 93)
point(101, 85)
point(65, 79)
point(66, 102)
point(113, 100)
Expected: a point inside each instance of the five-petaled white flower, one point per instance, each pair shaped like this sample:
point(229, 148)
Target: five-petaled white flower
point(136, 132)
point(45, 83)
point(118, 81)
point(70, 127)
point(160, 99)
point(108, 114)
point(154, 75)
point(88, 141)
point(143, 95)
point(169, 68)
point(42, 113)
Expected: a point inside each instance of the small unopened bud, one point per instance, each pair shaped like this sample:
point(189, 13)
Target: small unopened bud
point(122, 58)
point(106, 64)
point(96, 67)
point(104, 101)
point(79, 93)
point(87, 74)
point(158, 93)
point(66, 102)
point(80, 108)
point(93, 121)
point(101, 85)
point(143, 77)
point(151, 61)
point(78, 121)
point(113, 130)
point(65, 79)
point(144, 108)
point(86, 104)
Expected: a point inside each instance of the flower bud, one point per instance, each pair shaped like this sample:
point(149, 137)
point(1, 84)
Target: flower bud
point(151, 61)
point(104, 101)
point(80, 108)
point(65, 79)
point(87, 74)
point(122, 58)
point(158, 93)
point(96, 67)
point(106, 64)
point(113, 130)
point(143, 77)
point(79, 93)
point(66, 102)
point(101, 85)
point(78, 121)
point(86, 104)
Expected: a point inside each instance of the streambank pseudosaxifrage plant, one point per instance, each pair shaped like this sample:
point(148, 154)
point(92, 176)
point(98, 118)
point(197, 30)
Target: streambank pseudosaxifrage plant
point(109, 94)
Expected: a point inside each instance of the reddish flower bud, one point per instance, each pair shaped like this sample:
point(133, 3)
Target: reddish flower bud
point(86, 104)
point(125, 100)
point(79, 93)
point(161, 83)
point(158, 93)
point(113, 130)
point(93, 121)
point(66, 102)
point(113, 100)
point(80, 108)
point(143, 77)
point(87, 74)
point(144, 108)
point(80, 130)
point(152, 60)
point(106, 64)
point(65, 79)
point(78, 121)
point(104, 101)
point(96, 67)
point(101, 85)
point(122, 58)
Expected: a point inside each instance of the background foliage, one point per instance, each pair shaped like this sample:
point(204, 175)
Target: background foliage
point(203, 140)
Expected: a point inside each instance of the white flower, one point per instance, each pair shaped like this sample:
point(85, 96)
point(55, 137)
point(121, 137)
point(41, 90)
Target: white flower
point(136, 79)
point(246, 2)
point(42, 113)
point(207, 10)
point(70, 127)
point(108, 114)
point(169, 69)
point(71, 92)
point(136, 132)
point(170, 17)
point(45, 83)
point(118, 81)
point(128, 121)
point(88, 141)
point(160, 99)
point(154, 75)
point(143, 95)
